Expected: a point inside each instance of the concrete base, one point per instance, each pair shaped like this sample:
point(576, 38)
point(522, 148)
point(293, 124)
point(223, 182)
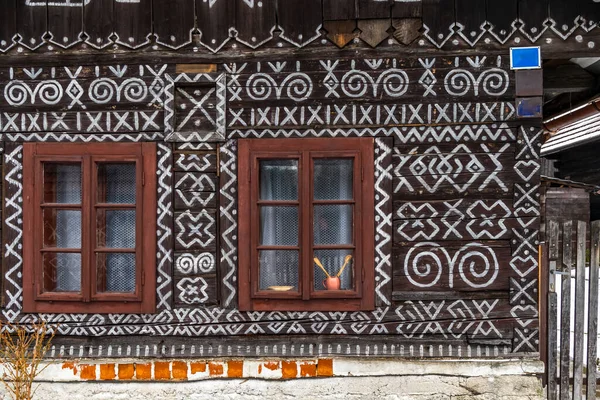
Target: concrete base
point(291, 379)
point(380, 388)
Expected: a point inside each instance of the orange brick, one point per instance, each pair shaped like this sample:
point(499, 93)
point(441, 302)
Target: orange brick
point(126, 371)
point(161, 371)
point(308, 369)
point(289, 369)
point(71, 366)
point(179, 370)
point(88, 372)
point(215, 369)
point(235, 369)
point(196, 367)
point(325, 367)
point(107, 371)
point(143, 371)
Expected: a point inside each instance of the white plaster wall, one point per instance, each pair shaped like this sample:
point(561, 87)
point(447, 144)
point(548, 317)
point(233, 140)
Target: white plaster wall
point(432, 387)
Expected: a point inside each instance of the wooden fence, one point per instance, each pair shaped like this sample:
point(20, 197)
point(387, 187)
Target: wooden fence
point(570, 279)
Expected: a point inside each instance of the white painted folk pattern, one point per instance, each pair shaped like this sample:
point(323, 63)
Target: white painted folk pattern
point(193, 264)
point(476, 264)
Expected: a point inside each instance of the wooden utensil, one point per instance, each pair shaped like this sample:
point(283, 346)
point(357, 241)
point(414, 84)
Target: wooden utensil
point(346, 261)
point(318, 262)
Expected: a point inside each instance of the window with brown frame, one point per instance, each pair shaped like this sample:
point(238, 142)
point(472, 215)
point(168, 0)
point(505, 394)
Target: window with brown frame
point(306, 224)
point(89, 237)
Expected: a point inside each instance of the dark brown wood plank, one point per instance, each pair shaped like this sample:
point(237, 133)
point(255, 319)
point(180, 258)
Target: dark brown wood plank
point(470, 16)
point(32, 23)
point(194, 201)
point(438, 16)
point(502, 15)
point(199, 162)
point(579, 310)
point(533, 14)
point(133, 23)
point(8, 24)
point(98, 22)
point(373, 9)
point(228, 225)
point(215, 19)
point(565, 317)
point(551, 367)
point(299, 20)
point(255, 21)
point(564, 14)
point(173, 22)
point(65, 23)
point(592, 349)
point(383, 208)
point(554, 251)
point(590, 11)
point(195, 263)
point(404, 9)
point(339, 10)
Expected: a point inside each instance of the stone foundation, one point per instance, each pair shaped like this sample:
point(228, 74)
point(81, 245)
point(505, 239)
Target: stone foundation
point(302, 379)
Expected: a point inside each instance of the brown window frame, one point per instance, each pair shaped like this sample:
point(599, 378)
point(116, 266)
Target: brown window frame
point(250, 151)
point(87, 300)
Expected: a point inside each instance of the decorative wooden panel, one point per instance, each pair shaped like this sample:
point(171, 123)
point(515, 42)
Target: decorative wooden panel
point(133, 23)
point(407, 9)
point(438, 16)
point(174, 27)
point(299, 20)
point(470, 17)
point(338, 10)
point(215, 20)
point(255, 21)
point(98, 22)
point(8, 25)
point(502, 15)
point(65, 23)
point(373, 9)
point(533, 14)
point(32, 18)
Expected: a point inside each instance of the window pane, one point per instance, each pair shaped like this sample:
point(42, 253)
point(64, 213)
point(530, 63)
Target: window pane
point(278, 270)
point(332, 224)
point(116, 183)
point(279, 179)
point(333, 261)
point(279, 226)
point(116, 272)
point(62, 228)
point(333, 179)
point(62, 272)
point(116, 229)
point(62, 183)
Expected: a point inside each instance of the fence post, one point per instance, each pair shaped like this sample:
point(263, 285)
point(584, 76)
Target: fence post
point(579, 311)
point(565, 317)
point(593, 311)
point(552, 237)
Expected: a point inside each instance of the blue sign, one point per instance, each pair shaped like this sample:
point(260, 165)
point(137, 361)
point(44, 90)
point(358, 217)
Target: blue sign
point(525, 58)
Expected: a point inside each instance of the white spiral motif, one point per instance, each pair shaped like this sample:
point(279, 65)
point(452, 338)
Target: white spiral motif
point(260, 86)
point(134, 90)
point(459, 81)
point(298, 86)
point(50, 92)
point(356, 83)
point(189, 264)
point(394, 82)
point(424, 269)
point(494, 81)
point(17, 93)
point(477, 265)
point(102, 90)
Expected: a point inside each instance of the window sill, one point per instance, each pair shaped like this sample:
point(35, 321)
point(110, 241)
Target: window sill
point(105, 307)
point(308, 305)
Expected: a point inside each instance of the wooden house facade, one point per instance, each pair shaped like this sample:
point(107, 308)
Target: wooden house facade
point(175, 116)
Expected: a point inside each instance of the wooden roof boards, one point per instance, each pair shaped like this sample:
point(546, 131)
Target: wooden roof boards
point(170, 25)
point(8, 25)
point(215, 19)
point(174, 27)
